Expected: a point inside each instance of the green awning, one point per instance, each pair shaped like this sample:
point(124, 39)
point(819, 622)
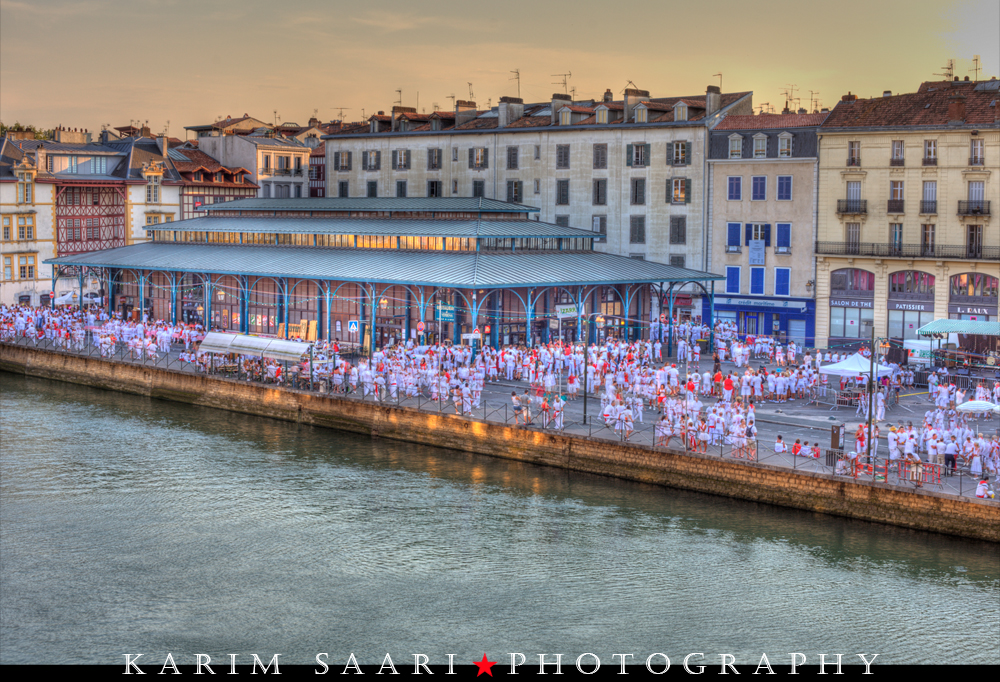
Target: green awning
point(960, 327)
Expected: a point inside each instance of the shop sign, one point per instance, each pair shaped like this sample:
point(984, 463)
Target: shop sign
point(851, 303)
point(564, 311)
point(973, 309)
point(773, 304)
point(446, 313)
point(912, 305)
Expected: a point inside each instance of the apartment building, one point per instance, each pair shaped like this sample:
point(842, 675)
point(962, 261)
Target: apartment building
point(631, 169)
point(762, 183)
point(278, 166)
point(907, 230)
point(205, 181)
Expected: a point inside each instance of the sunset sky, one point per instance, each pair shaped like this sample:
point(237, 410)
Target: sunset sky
point(83, 63)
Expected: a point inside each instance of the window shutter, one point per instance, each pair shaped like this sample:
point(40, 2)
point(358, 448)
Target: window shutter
point(749, 234)
point(408, 159)
point(348, 160)
point(510, 191)
point(336, 160)
point(767, 235)
point(687, 190)
point(733, 237)
point(520, 191)
point(628, 155)
point(472, 157)
point(781, 282)
point(597, 192)
point(687, 153)
point(646, 156)
point(395, 156)
point(364, 161)
point(486, 157)
point(732, 280)
point(784, 237)
point(378, 160)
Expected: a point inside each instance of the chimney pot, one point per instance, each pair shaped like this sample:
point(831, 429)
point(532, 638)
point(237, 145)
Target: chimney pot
point(713, 99)
point(887, 93)
point(802, 111)
point(608, 96)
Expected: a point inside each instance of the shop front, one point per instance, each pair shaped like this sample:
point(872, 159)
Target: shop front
point(973, 296)
point(787, 319)
point(852, 308)
point(910, 303)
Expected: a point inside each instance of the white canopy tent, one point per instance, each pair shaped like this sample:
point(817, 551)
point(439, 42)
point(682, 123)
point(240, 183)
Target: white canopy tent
point(856, 365)
point(276, 349)
point(977, 406)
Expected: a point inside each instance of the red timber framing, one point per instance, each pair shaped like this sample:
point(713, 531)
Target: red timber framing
point(89, 218)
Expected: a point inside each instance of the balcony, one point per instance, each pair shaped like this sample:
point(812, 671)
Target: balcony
point(852, 206)
point(930, 160)
point(895, 206)
point(733, 248)
point(976, 207)
point(895, 250)
point(976, 161)
point(928, 207)
point(853, 160)
point(896, 162)
point(283, 172)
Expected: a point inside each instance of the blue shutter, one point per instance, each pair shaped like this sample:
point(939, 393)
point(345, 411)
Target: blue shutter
point(732, 280)
point(733, 236)
point(784, 237)
point(781, 285)
point(749, 234)
point(756, 280)
point(767, 235)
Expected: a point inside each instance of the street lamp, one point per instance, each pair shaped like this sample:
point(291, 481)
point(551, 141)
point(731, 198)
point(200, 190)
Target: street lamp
point(883, 347)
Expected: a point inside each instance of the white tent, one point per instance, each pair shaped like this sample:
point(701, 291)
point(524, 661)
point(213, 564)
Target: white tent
point(977, 406)
point(856, 365)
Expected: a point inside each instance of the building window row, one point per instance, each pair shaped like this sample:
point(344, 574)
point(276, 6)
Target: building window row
point(897, 157)
point(758, 188)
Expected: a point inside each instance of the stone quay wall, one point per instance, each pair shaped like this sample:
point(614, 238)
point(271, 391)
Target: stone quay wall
point(870, 501)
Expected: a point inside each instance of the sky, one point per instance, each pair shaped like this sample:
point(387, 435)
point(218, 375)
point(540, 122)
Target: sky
point(175, 63)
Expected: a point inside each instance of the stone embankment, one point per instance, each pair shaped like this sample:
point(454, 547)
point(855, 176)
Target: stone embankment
point(879, 502)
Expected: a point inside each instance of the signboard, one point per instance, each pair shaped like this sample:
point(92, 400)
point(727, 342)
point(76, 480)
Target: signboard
point(446, 313)
point(851, 303)
point(912, 305)
point(476, 331)
point(564, 311)
point(757, 252)
point(421, 326)
point(774, 304)
point(972, 309)
point(469, 337)
point(352, 326)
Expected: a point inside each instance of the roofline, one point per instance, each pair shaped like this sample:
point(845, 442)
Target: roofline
point(944, 128)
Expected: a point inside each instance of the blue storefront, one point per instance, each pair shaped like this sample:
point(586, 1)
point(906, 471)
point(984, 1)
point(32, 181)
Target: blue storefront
point(785, 318)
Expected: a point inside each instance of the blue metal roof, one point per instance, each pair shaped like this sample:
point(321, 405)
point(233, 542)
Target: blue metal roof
point(421, 204)
point(484, 269)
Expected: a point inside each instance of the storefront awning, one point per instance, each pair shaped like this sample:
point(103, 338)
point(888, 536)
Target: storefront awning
point(291, 351)
point(275, 349)
point(960, 327)
point(214, 342)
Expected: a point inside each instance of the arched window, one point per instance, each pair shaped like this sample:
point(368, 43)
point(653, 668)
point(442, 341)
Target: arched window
point(975, 285)
point(853, 280)
point(911, 282)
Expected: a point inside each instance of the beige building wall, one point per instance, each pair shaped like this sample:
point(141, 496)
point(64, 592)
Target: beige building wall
point(42, 246)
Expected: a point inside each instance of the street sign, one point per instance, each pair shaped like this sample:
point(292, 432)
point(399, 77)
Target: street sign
point(469, 337)
point(352, 326)
point(446, 313)
point(476, 331)
point(421, 326)
point(564, 311)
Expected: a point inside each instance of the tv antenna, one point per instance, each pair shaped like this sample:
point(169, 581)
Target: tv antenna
point(634, 86)
point(166, 128)
point(435, 106)
point(452, 98)
point(949, 70)
point(572, 92)
point(472, 95)
point(765, 108)
point(976, 65)
point(399, 91)
point(517, 77)
point(340, 111)
point(565, 80)
point(720, 79)
point(813, 100)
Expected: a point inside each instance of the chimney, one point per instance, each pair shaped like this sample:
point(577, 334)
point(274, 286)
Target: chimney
point(559, 100)
point(825, 110)
point(163, 144)
point(313, 122)
point(713, 99)
point(465, 111)
point(887, 93)
point(956, 108)
point(848, 97)
point(144, 132)
point(633, 97)
point(802, 110)
point(40, 160)
point(396, 110)
point(608, 97)
point(509, 110)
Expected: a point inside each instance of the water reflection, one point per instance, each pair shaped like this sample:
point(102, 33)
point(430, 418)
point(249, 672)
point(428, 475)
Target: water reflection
point(141, 525)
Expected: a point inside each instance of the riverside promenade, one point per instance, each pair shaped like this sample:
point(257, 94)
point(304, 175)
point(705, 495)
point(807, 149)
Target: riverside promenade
point(876, 493)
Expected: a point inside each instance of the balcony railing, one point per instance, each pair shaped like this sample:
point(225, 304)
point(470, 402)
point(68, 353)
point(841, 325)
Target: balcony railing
point(895, 206)
point(976, 207)
point(928, 207)
point(891, 250)
point(284, 172)
point(976, 161)
point(852, 206)
point(896, 162)
point(930, 160)
point(853, 160)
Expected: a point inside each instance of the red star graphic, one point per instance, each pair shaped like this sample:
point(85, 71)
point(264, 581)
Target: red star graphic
point(484, 666)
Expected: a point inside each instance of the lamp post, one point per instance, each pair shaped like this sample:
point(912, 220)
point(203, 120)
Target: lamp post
point(871, 389)
point(586, 364)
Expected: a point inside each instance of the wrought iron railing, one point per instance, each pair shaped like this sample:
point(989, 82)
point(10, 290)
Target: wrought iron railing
point(850, 206)
point(895, 206)
point(974, 207)
point(928, 207)
point(890, 250)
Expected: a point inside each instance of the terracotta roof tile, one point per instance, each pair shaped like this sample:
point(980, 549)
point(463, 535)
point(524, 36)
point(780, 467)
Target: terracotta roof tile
point(531, 122)
point(929, 108)
point(769, 121)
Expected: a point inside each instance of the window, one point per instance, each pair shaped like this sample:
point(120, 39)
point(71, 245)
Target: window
point(478, 158)
point(759, 231)
point(6, 228)
point(454, 186)
point(600, 156)
point(732, 279)
point(757, 281)
point(974, 241)
point(372, 189)
point(343, 189)
point(479, 188)
point(897, 153)
point(677, 261)
point(71, 166)
point(599, 224)
point(930, 152)
point(562, 220)
point(538, 186)
point(853, 153)
point(371, 160)
point(565, 118)
point(401, 159)
point(602, 115)
point(852, 235)
point(342, 161)
point(637, 155)
point(637, 230)
point(681, 191)
point(153, 189)
point(641, 115)
point(976, 152)
point(758, 188)
point(784, 188)
point(298, 191)
point(733, 239)
point(782, 281)
point(8, 273)
point(638, 194)
point(150, 220)
point(562, 156)
point(562, 192)
point(266, 191)
point(927, 240)
point(760, 146)
point(735, 146)
point(735, 188)
point(433, 159)
point(25, 188)
point(434, 188)
point(515, 191)
point(783, 242)
point(678, 229)
point(538, 152)
point(454, 154)
point(26, 267)
point(511, 158)
point(681, 153)
point(785, 145)
point(26, 227)
point(401, 189)
point(600, 192)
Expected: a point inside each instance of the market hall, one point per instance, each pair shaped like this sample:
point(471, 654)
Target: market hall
point(377, 270)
